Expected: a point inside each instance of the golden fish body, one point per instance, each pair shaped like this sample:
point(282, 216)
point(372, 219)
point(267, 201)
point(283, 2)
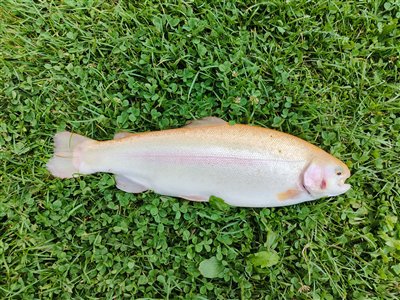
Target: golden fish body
point(244, 165)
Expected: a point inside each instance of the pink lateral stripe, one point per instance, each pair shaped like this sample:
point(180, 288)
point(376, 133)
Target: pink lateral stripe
point(209, 158)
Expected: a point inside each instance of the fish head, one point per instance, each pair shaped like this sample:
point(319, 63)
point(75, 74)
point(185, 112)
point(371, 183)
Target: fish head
point(326, 177)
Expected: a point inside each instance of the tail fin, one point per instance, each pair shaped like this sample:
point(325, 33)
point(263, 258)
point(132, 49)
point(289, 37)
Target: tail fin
point(66, 160)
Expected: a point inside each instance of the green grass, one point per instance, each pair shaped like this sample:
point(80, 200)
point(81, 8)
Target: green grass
point(326, 71)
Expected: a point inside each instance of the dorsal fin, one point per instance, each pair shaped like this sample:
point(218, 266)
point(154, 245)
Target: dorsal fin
point(207, 121)
point(122, 134)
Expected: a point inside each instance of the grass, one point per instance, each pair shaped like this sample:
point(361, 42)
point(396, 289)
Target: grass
point(326, 71)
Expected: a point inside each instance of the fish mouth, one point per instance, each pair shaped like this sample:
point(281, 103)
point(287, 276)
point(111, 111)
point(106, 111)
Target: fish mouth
point(345, 187)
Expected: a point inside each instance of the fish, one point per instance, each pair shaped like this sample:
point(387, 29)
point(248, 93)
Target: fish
point(244, 165)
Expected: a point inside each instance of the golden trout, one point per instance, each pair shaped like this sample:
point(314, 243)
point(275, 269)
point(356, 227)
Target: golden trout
point(246, 166)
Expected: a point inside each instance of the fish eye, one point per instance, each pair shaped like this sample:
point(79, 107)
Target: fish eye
point(339, 171)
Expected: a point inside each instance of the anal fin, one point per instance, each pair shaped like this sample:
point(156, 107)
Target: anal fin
point(127, 185)
point(194, 198)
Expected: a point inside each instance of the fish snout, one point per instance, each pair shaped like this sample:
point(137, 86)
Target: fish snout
point(342, 185)
point(345, 187)
point(342, 181)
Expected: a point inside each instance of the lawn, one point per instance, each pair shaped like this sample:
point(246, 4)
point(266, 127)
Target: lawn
point(326, 71)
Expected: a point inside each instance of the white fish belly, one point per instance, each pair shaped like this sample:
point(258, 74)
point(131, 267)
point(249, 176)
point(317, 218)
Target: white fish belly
point(240, 178)
point(248, 183)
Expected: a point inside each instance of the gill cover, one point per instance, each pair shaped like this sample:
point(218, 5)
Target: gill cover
point(313, 179)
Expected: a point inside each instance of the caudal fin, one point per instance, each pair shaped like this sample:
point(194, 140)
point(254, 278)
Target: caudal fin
point(66, 160)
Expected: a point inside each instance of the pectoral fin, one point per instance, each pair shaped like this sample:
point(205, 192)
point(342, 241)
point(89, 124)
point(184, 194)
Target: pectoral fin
point(127, 185)
point(289, 194)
